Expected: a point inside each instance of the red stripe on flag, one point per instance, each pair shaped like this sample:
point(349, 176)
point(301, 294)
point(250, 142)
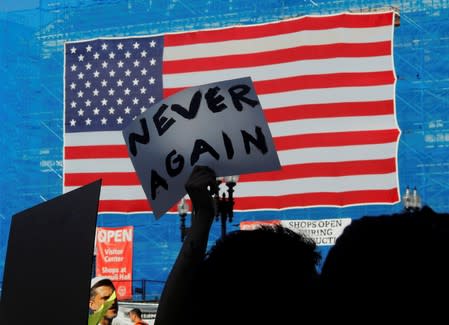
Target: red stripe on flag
point(88, 152)
point(334, 139)
point(311, 52)
point(128, 206)
point(317, 199)
point(166, 92)
point(108, 179)
point(124, 206)
point(325, 169)
point(355, 79)
point(284, 27)
point(329, 110)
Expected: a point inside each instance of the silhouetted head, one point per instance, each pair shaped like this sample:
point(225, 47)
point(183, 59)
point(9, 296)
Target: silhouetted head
point(389, 264)
point(257, 277)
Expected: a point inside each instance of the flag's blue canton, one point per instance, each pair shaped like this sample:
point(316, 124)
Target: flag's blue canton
point(110, 82)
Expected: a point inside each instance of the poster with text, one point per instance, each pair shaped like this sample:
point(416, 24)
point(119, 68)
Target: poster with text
point(324, 232)
point(114, 247)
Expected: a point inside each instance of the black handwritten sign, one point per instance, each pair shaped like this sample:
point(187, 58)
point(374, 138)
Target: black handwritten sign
point(220, 125)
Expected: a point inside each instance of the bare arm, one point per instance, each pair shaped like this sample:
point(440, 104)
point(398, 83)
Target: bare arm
point(174, 305)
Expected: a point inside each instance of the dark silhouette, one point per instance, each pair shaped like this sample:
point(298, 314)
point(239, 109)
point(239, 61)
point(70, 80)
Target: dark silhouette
point(391, 266)
point(264, 276)
point(175, 305)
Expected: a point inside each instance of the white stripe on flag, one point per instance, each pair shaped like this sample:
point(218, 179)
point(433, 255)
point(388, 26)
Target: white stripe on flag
point(337, 154)
point(329, 95)
point(283, 41)
point(336, 124)
point(94, 138)
point(275, 188)
point(117, 165)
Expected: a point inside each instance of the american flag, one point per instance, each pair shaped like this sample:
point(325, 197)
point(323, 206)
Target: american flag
point(326, 84)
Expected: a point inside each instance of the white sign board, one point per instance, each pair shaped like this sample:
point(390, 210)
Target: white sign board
point(220, 125)
point(324, 232)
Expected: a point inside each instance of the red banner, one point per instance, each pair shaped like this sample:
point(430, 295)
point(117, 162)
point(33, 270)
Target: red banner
point(251, 225)
point(114, 248)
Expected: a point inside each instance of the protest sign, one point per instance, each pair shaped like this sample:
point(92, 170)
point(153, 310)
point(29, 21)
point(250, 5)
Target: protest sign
point(220, 125)
point(49, 255)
